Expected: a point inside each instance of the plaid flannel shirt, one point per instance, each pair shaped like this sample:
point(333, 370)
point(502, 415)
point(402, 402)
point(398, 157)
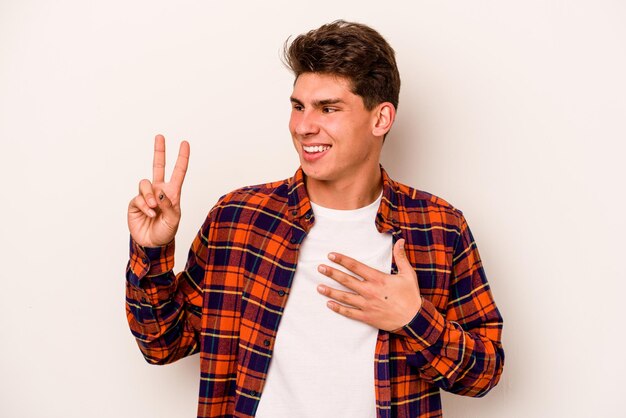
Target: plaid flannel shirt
point(228, 301)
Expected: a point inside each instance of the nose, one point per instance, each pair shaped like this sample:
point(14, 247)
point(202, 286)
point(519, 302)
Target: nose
point(304, 123)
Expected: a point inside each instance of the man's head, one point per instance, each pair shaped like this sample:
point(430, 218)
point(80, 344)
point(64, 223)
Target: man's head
point(343, 105)
point(353, 51)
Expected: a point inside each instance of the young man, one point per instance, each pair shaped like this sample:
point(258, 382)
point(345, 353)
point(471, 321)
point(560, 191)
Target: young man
point(337, 292)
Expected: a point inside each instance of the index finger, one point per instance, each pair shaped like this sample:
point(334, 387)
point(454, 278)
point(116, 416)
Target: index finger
point(158, 163)
point(360, 269)
point(180, 169)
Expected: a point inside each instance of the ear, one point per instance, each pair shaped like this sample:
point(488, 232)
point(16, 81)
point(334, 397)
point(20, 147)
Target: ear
point(385, 114)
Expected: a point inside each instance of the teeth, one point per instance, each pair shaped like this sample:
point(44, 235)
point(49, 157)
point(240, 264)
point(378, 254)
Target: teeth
point(317, 148)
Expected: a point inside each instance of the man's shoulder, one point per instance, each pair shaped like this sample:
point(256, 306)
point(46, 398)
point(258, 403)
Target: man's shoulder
point(271, 194)
point(412, 197)
point(423, 208)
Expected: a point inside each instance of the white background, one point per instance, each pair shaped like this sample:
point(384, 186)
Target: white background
point(512, 111)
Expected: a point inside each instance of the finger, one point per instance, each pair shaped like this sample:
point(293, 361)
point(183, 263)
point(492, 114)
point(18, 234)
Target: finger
point(346, 298)
point(340, 277)
point(180, 169)
point(158, 162)
point(399, 254)
point(346, 311)
point(145, 190)
point(140, 203)
point(360, 269)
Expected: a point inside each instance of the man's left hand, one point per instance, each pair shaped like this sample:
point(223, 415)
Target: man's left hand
point(382, 300)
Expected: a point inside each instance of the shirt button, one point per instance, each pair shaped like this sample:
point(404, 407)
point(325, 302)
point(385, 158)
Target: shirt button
point(145, 260)
point(253, 393)
point(308, 216)
point(266, 343)
point(293, 240)
point(294, 212)
point(281, 293)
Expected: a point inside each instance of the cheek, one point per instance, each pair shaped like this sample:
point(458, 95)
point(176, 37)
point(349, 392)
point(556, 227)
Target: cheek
point(335, 127)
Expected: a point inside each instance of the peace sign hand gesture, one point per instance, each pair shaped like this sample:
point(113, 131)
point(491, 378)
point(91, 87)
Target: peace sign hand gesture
point(154, 214)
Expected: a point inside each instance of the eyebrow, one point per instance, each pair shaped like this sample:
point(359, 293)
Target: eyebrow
point(318, 103)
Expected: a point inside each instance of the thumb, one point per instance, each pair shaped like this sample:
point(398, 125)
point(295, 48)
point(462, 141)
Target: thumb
point(399, 254)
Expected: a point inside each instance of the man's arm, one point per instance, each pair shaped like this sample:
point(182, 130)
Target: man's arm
point(164, 310)
point(458, 349)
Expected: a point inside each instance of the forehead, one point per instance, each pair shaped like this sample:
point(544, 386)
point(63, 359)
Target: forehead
point(316, 86)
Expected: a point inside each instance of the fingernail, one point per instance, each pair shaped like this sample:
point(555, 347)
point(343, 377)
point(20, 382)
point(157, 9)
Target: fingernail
point(321, 269)
point(331, 256)
point(321, 289)
point(151, 213)
point(402, 243)
point(331, 305)
point(152, 202)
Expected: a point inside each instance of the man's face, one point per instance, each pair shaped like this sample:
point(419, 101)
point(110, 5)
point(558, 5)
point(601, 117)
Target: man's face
point(332, 130)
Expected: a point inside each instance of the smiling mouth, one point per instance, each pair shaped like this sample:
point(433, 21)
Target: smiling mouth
point(315, 149)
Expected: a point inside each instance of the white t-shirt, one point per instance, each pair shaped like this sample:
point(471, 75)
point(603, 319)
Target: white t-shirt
point(323, 363)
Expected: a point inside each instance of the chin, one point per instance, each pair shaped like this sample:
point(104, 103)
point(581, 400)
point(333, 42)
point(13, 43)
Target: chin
point(318, 175)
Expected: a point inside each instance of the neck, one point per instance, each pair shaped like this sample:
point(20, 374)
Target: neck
point(345, 194)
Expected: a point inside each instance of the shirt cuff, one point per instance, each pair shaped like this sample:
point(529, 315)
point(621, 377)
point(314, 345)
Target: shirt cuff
point(149, 261)
point(425, 328)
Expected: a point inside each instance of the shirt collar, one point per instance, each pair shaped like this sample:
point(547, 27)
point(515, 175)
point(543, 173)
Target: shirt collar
point(300, 204)
point(387, 216)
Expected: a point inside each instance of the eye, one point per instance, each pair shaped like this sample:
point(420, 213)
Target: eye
point(327, 109)
point(297, 107)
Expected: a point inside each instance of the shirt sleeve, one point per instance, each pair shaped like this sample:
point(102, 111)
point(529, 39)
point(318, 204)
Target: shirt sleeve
point(460, 348)
point(163, 309)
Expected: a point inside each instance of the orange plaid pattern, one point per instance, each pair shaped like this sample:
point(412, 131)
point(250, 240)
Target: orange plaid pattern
point(228, 301)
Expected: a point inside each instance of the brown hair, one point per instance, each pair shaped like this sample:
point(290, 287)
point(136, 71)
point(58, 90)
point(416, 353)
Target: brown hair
point(351, 50)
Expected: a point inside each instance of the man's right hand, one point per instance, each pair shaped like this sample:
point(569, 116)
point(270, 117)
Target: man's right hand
point(154, 214)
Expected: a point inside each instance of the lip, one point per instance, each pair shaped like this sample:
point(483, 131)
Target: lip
point(314, 156)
